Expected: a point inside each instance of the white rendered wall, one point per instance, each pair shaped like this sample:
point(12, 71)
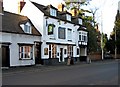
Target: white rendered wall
point(14, 47)
point(34, 14)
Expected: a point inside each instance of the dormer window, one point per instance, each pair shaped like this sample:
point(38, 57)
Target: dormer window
point(80, 21)
point(52, 12)
point(27, 29)
point(68, 17)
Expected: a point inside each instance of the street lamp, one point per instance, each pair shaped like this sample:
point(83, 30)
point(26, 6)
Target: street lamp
point(102, 37)
point(115, 45)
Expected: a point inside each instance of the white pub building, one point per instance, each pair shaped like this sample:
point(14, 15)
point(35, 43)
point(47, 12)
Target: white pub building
point(62, 33)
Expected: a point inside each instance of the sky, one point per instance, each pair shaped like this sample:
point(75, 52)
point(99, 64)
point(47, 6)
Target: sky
point(105, 15)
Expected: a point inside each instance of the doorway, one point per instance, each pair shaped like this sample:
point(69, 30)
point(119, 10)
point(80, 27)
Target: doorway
point(38, 59)
point(5, 56)
point(61, 54)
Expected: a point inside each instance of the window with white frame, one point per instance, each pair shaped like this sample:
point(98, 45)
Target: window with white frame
point(70, 50)
point(27, 29)
point(52, 51)
point(68, 17)
point(83, 36)
point(25, 51)
point(80, 21)
point(53, 12)
point(61, 33)
point(69, 34)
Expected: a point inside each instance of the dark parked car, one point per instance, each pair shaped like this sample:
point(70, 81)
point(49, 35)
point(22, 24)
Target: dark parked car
point(108, 56)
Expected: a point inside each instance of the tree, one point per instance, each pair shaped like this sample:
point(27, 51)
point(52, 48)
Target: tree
point(92, 38)
point(76, 4)
point(116, 30)
point(87, 21)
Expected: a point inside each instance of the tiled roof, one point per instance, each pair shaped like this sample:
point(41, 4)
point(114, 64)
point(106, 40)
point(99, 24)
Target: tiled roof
point(11, 24)
point(60, 15)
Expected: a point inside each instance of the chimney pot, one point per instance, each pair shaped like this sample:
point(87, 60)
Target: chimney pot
point(61, 7)
point(21, 5)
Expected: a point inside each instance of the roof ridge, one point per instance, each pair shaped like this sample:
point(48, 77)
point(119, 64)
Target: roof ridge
point(15, 14)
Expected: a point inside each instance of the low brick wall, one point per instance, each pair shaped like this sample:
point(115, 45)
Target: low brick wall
point(118, 56)
point(95, 56)
point(51, 61)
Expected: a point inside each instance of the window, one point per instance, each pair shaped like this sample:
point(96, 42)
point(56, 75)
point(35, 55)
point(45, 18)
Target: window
point(25, 52)
point(80, 21)
point(61, 33)
point(69, 34)
point(68, 17)
point(52, 51)
point(70, 50)
point(45, 51)
point(64, 51)
point(27, 29)
point(52, 12)
point(51, 29)
point(80, 36)
point(83, 36)
point(77, 51)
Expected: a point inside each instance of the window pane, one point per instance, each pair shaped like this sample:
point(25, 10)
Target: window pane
point(77, 51)
point(61, 33)
point(69, 34)
point(26, 52)
point(27, 29)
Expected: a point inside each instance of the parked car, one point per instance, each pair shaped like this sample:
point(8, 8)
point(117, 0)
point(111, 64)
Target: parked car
point(108, 56)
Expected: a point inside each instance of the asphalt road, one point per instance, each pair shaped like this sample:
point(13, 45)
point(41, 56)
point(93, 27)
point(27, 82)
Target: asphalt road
point(97, 73)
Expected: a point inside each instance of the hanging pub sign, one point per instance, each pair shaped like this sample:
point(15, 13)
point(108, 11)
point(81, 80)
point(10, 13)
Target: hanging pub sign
point(50, 29)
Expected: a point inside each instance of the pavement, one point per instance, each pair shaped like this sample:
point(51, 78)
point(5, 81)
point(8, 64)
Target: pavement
point(43, 68)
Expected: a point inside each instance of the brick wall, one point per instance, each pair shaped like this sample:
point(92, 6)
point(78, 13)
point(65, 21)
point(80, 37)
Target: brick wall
point(95, 56)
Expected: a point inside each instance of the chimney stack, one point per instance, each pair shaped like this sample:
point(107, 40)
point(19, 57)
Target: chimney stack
point(74, 12)
point(21, 4)
point(61, 7)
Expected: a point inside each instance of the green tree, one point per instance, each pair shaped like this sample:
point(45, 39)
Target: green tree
point(92, 38)
point(88, 21)
point(111, 42)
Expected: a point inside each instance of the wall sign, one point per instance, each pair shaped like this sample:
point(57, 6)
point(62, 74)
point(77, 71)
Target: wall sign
point(50, 29)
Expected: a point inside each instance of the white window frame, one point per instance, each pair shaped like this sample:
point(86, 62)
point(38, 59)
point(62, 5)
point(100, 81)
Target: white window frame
point(25, 51)
point(53, 12)
point(80, 21)
point(27, 28)
point(83, 36)
point(68, 17)
point(69, 34)
point(63, 33)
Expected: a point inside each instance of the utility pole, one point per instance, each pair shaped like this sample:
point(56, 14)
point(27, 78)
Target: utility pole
point(102, 37)
point(115, 45)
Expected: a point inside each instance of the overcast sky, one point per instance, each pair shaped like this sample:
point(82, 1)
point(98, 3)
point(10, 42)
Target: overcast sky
point(107, 10)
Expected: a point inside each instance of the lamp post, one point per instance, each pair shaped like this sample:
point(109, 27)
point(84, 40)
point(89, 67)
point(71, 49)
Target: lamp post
point(115, 45)
point(102, 37)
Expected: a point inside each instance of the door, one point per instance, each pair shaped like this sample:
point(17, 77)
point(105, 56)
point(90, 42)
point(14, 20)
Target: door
point(38, 59)
point(5, 56)
point(61, 54)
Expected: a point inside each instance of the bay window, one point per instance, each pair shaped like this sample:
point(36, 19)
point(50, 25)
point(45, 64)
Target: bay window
point(83, 36)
